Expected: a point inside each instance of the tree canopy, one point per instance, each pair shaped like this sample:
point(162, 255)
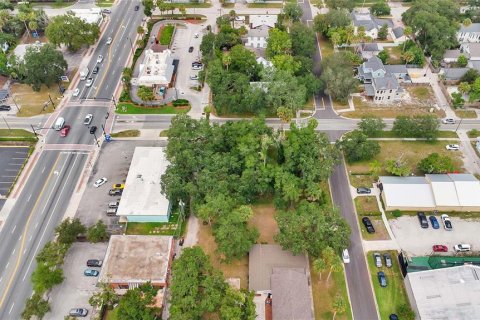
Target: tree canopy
point(338, 77)
point(137, 303)
point(357, 147)
point(416, 127)
point(436, 163)
point(71, 31)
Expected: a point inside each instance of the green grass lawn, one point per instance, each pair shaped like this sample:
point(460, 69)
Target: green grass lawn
point(130, 108)
point(16, 135)
point(105, 3)
point(392, 296)
point(325, 46)
point(155, 228)
point(466, 114)
point(441, 134)
point(473, 133)
point(367, 206)
point(126, 134)
point(264, 5)
point(166, 35)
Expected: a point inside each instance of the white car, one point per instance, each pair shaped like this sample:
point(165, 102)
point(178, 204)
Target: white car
point(88, 119)
point(193, 77)
point(462, 247)
point(448, 121)
point(447, 224)
point(100, 182)
point(76, 92)
point(452, 147)
point(109, 40)
point(100, 59)
point(89, 82)
point(345, 256)
point(196, 35)
point(197, 67)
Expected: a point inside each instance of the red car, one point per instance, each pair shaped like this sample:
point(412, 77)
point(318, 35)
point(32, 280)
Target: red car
point(440, 248)
point(64, 131)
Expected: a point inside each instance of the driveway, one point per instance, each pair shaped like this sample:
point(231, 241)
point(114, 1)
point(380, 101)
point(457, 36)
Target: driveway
point(418, 242)
point(76, 289)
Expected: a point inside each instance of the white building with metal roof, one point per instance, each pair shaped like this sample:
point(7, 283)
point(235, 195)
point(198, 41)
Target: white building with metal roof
point(452, 191)
point(447, 293)
point(142, 199)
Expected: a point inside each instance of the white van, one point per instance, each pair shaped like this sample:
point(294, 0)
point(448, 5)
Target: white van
point(84, 74)
point(59, 124)
point(462, 247)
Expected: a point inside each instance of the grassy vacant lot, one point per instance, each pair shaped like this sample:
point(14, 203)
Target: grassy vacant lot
point(381, 232)
point(325, 292)
point(130, 108)
point(467, 114)
point(126, 134)
point(166, 35)
point(473, 133)
point(366, 206)
point(325, 45)
point(441, 134)
point(392, 296)
point(31, 102)
point(420, 102)
point(410, 151)
point(105, 3)
point(16, 135)
point(395, 54)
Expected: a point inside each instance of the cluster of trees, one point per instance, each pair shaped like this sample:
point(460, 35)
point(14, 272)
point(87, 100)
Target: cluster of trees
point(240, 85)
point(469, 85)
point(435, 23)
point(423, 126)
point(197, 289)
point(411, 53)
point(380, 8)
point(48, 272)
point(218, 170)
point(338, 76)
point(71, 31)
point(150, 5)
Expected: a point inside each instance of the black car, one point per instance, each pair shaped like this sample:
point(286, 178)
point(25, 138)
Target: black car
point(4, 107)
point(94, 263)
point(382, 279)
point(115, 192)
point(364, 190)
point(93, 129)
point(393, 316)
point(422, 218)
point(137, 7)
point(190, 49)
point(95, 70)
point(368, 225)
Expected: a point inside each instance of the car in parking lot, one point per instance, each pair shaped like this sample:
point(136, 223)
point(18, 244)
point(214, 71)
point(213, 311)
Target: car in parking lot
point(447, 224)
point(364, 190)
point(448, 121)
point(111, 212)
point(434, 222)
point(193, 77)
point(109, 40)
point(113, 204)
point(107, 11)
point(100, 182)
point(118, 186)
point(78, 312)
point(95, 70)
point(452, 147)
point(388, 260)
point(100, 58)
point(91, 273)
point(190, 49)
point(439, 248)
point(422, 219)
point(94, 263)
point(393, 316)
point(89, 82)
point(76, 92)
point(462, 247)
point(377, 259)
point(64, 131)
point(196, 35)
point(88, 119)
point(137, 7)
point(115, 192)
point(93, 129)
point(368, 225)
point(382, 279)
point(345, 256)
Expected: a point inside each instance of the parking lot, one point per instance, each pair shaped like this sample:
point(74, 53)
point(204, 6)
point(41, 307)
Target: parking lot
point(113, 163)
point(77, 288)
point(417, 241)
point(12, 159)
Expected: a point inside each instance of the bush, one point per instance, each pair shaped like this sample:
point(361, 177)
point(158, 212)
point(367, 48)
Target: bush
point(180, 102)
point(397, 213)
point(473, 133)
point(125, 96)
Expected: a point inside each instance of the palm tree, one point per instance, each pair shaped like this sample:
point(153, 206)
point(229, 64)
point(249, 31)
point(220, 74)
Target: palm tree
point(332, 260)
point(375, 168)
point(232, 14)
point(464, 88)
point(4, 16)
point(407, 32)
point(319, 266)
point(226, 60)
point(338, 306)
point(24, 17)
point(408, 57)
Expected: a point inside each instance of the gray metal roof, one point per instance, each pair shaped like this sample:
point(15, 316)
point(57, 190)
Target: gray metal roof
point(388, 82)
point(474, 27)
point(438, 177)
point(474, 49)
point(398, 32)
point(401, 180)
point(369, 90)
point(462, 177)
point(291, 294)
point(381, 22)
point(373, 63)
point(451, 54)
point(370, 47)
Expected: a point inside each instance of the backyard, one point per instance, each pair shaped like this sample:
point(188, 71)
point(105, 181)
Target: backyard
point(390, 298)
point(31, 103)
point(394, 55)
point(410, 152)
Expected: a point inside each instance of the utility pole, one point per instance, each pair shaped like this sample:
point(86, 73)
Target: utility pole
point(35, 132)
point(6, 123)
point(50, 97)
point(16, 105)
point(96, 140)
point(459, 124)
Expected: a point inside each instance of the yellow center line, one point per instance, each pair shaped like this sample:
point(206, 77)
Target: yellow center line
point(24, 235)
point(109, 57)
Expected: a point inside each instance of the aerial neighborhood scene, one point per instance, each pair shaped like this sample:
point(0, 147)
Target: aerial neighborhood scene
point(240, 159)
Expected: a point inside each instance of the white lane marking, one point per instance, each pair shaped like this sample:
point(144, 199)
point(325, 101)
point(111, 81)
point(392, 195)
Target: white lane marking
point(30, 238)
point(29, 198)
point(36, 225)
point(11, 308)
point(13, 252)
point(13, 230)
point(43, 169)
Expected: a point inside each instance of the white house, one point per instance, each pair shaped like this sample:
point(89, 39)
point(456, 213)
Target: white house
point(157, 69)
point(469, 33)
point(257, 38)
point(257, 20)
point(471, 51)
point(371, 24)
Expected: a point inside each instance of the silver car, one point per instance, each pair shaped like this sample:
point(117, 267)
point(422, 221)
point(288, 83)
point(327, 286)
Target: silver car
point(378, 259)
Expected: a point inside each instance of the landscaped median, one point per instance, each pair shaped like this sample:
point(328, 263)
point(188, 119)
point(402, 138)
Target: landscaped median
point(131, 108)
point(391, 297)
point(126, 134)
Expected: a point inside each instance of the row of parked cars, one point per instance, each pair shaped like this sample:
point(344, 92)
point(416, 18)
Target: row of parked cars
point(422, 219)
point(89, 272)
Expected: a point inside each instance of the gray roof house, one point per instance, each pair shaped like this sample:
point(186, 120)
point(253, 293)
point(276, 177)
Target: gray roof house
point(452, 55)
point(371, 24)
point(471, 50)
point(257, 38)
point(381, 81)
point(469, 33)
point(368, 50)
point(398, 32)
point(453, 74)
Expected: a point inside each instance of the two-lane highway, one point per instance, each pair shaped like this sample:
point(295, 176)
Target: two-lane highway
point(53, 179)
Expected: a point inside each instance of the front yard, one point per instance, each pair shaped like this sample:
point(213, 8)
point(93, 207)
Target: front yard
point(419, 102)
point(390, 298)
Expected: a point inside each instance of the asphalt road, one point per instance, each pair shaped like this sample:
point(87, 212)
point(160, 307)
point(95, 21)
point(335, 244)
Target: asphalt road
point(47, 192)
point(11, 161)
point(358, 278)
